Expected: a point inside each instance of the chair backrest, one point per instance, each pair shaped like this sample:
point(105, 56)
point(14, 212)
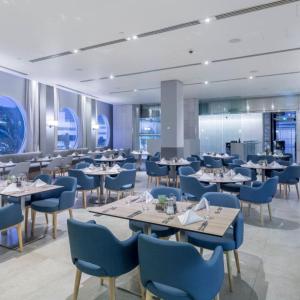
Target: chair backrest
point(191, 185)
point(44, 177)
point(95, 244)
point(82, 165)
point(254, 158)
point(130, 159)
point(129, 166)
point(270, 186)
point(238, 162)
point(195, 165)
point(157, 154)
point(55, 163)
point(10, 215)
point(222, 199)
point(20, 168)
point(191, 158)
point(82, 179)
point(243, 171)
point(127, 177)
point(88, 160)
point(212, 162)
point(196, 156)
point(154, 158)
point(166, 191)
point(186, 170)
point(179, 266)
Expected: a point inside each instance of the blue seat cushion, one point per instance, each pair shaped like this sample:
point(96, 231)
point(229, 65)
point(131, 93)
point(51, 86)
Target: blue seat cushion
point(231, 187)
point(47, 205)
point(167, 292)
point(211, 242)
point(160, 231)
point(126, 187)
point(290, 181)
point(90, 269)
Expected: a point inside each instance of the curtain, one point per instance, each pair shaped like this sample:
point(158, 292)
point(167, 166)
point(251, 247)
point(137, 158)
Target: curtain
point(33, 121)
point(55, 113)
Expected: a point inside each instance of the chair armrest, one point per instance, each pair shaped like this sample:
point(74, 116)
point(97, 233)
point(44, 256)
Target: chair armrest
point(66, 200)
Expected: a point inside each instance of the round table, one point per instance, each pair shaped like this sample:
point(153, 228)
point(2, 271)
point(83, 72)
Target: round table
point(3, 166)
point(41, 161)
point(221, 180)
point(110, 161)
point(173, 166)
point(263, 169)
point(139, 155)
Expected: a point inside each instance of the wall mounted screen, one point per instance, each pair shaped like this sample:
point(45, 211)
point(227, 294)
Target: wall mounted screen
point(67, 131)
point(103, 136)
point(12, 126)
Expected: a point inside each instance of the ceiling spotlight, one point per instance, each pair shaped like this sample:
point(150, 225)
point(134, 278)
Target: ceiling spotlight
point(207, 20)
point(75, 51)
point(135, 37)
point(206, 82)
point(111, 76)
point(206, 62)
point(251, 77)
point(135, 90)
point(128, 38)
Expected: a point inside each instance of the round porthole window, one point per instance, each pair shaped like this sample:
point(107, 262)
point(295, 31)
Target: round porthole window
point(12, 126)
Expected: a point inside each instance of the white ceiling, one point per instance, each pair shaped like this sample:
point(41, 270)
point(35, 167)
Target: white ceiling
point(31, 29)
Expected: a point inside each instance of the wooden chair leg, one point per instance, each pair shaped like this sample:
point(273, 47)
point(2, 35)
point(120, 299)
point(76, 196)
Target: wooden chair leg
point(33, 215)
point(249, 209)
point(84, 199)
point(112, 288)
point(285, 191)
point(98, 193)
point(148, 295)
point(217, 297)
point(297, 189)
point(71, 213)
point(228, 260)
point(270, 211)
point(46, 217)
point(148, 181)
point(101, 281)
point(177, 237)
point(237, 261)
point(142, 289)
point(106, 196)
point(20, 237)
point(76, 285)
point(261, 215)
point(54, 225)
point(118, 196)
point(26, 219)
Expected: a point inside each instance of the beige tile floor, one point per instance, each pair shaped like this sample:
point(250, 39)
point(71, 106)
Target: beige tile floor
point(270, 260)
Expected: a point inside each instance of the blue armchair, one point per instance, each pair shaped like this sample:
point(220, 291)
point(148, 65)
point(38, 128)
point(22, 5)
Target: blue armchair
point(212, 163)
point(160, 231)
point(290, 176)
point(186, 171)
point(191, 158)
point(260, 195)
point(124, 181)
point(85, 183)
point(11, 216)
point(193, 189)
point(88, 160)
point(173, 271)
point(97, 252)
point(129, 166)
point(232, 239)
point(82, 165)
point(155, 171)
point(196, 156)
point(196, 165)
point(235, 187)
point(59, 200)
point(238, 162)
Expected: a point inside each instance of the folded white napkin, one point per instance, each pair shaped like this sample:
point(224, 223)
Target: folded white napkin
point(250, 163)
point(230, 173)
point(218, 155)
point(275, 164)
point(59, 156)
point(11, 188)
point(206, 176)
point(239, 177)
point(163, 160)
point(91, 166)
point(104, 158)
point(182, 161)
point(199, 173)
point(73, 154)
point(120, 157)
point(10, 163)
point(226, 155)
point(148, 197)
point(38, 183)
point(115, 168)
point(203, 203)
point(90, 151)
point(204, 154)
point(189, 217)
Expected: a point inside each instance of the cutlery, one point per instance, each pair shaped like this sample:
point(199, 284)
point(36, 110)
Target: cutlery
point(203, 226)
point(218, 211)
point(134, 214)
point(108, 209)
point(134, 199)
point(167, 220)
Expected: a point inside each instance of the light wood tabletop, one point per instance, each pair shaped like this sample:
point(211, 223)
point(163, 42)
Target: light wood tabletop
point(101, 172)
point(128, 208)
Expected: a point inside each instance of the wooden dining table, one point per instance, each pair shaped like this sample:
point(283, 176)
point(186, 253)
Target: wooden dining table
point(218, 219)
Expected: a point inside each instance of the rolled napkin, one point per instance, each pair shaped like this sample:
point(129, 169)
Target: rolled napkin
point(189, 217)
point(203, 203)
point(239, 177)
point(275, 164)
point(38, 183)
point(11, 188)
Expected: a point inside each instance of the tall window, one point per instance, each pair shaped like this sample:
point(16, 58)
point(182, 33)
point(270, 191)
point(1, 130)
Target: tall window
point(103, 132)
point(12, 126)
point(67, 131)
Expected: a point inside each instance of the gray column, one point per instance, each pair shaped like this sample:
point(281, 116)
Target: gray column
point(172, 119)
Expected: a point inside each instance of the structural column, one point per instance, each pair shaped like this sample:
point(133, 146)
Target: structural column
point(172, 119)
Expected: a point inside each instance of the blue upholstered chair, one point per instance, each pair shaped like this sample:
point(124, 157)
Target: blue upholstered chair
point(235, 187)
point(255, 158)
point(20, 168)
point(155, 171)
point(289, 176)
point(186, 170)
point(172, 271)
point(196, 165)
point(88, 160)
point(191, 158)
point(11, 216)
point(193, 189)
point(129, 166)
point(212, 163)
point(85, 183)
point(160, 231)
point(196, 156)
point(82, 165)
point(238, 161)
point(59, 200)
point(97, 252)
point(233, 237)
point(157, 154)
point(154, 158)
point(260, 195)
point(123, 182)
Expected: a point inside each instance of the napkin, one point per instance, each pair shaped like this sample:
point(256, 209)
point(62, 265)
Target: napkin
point(38, 183)
point(163, 160)
point(148, 197)
point(73, 154)
point(90, 151)
point(250, 163)
point(218, 155)
point(104, 158)
point(59, 156)
point(275, 164)
point(230, 173)
point(10, 163)
point(11, 188)
point(120, 157)
point(203, 203)
point(182, 161)
point(115, 168)
point(91, 166)
point(189, 217)
point(199, 173)
point(206, 176)
point(226, 155)
point(239, 177)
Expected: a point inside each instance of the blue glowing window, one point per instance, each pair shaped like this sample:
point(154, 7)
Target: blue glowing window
point(67, 131)
point(103, 132)
point(12, 126)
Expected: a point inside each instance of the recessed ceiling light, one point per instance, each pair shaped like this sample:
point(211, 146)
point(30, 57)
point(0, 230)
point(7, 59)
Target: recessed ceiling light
point(206, 82)
point(207, 62)
point(251, 77)
point(111, 76)
point(135, 37)
point(135, 90)
point(235, 40)
point(207, 20)
point(75, 51)
point(128, 38)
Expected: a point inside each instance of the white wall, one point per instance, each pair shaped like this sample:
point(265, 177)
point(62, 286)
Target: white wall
point(216, 130)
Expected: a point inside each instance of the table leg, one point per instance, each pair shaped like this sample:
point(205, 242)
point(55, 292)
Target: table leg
point(219, 187)
point(182, 236)
point(147, 228)
point(263, 175)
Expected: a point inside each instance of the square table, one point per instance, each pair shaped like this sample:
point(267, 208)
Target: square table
point(218, 222)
